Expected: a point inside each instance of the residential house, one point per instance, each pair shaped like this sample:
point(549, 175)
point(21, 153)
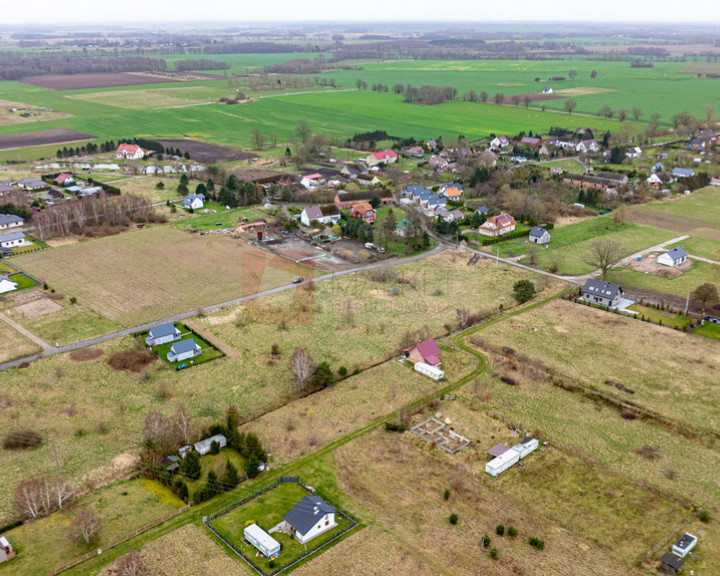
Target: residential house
point(411, 190)
point(433, 202)
point(266, 544)
point(13, 240)
point(500, 142)
point(497, 225)
point(587, 146)
point(426, 351)
point(194, 201)
point(673, 258)
point(184, 350)
point(7, 285)
point(539, 235)
point(6, 550)
point(683, 546)
point(634, 152)
point(543, 150)
point(363, 211)
point(453, 192)
point(129, 152)
point(602, 293)
point(352, 170)
point(401, 227)
point(418, 192)
point(438, 162)
point(309, 518)
point(714, 181)
point(547, 90)
point(488, 159)
point(431, 144)
point(32, 184)
point(368, 179)
point(683, 172)
point(204, 446)
point(415, 152)
point(65, 179)
point(312, 181)
point(657, 179)
point(519, 159)
point(345, 200)
point(384, 157)
point(162, 335)
point(482, 210)
point(450, 216)
point(328, 214)
point(8, 221)
point(530, 141)
point(658, 168)
point(671, 563)
point(6, 187)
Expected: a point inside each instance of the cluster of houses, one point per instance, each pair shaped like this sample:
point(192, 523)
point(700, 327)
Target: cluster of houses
point(364, 171)
point(672, 562)
point(358, 203)
point(308, 519)
point(180, 349)
point(11, 235)
point(439, 203)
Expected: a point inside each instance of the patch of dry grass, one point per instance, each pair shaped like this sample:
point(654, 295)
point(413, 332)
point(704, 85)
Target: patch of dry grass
point(13, 344)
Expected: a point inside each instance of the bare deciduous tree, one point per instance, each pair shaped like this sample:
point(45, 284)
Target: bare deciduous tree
point(302, 368)
point(85, 526)
point(603, 254)
point(706, 295)
point(619, 215)
point(131, 564)
point(462, 316)
point(42, 495)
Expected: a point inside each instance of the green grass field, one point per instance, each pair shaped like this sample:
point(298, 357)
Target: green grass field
point(662, 318)
point(709, 330)
point(209, 352)
point(700, 273)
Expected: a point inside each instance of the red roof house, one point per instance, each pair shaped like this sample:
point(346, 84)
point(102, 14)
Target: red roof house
point(363, 211)
point(65, 179)
point(498, 225)
point(131, 151)
point(384, 157)
point(426, 351)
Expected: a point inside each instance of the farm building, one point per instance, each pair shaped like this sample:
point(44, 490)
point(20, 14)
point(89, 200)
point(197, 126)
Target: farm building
point(162, 335)
point(266, 544)
point(7, 285)
point(683, 546)
point(309, 518)
point(683, 172)
point(673, 257)
point(31, 184)
point(671, 563)
point(328, 214)
point(363, 211)
point(194, 201)
point(12, 240)
point(429, 371)
point(497, 225)
point(345, 200)
point(384, 157)
point(6, 550)
point(597, 180)
point(8, 221)
point(203, 447)
point(183, 350)
point(530, 141)
point(129, 152)
point(539, 235)
point(602, 293)
point(426, 351)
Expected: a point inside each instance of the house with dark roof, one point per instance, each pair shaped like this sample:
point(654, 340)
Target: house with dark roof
point(328, 214)
point(426, 351)
point(8, 221)
point(671, 563)
point(497, 225)
point(602, 293)
point(13, 240)
point(539, 235)
point(171, 464)
point(410, 191)
point(309, 518)
point(162, 335)
point(674, 257)
point(31, 184)
point(183, 350)
point(530, 141)
point(683, 172)
point(345, 200)
point(194, 201)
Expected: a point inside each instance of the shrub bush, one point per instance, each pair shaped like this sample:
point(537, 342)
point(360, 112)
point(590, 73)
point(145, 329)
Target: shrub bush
point(22, 439)
point(512, 531)
point(500, 530)
point(453, 519)
point(446, 495)
point(537, 542)
point(214, 447)
point(705, 516)
point(131, 360)
point(342, 371)
point(494, 553)
point(486, 540)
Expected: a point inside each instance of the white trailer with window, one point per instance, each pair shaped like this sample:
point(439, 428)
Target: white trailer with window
point(429, 371)
point(525, 447)
point(262, 540)
point(498, 465)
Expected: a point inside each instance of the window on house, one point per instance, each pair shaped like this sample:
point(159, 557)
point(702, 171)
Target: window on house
point(327, 522)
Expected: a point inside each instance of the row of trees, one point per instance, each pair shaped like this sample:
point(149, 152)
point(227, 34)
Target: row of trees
point(200, 64)
point(429, 94)
point(102, 210)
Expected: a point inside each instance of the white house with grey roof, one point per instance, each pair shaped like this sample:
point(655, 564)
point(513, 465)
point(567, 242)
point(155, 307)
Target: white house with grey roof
point(602, 293)
point(8, 221)
point(31, 183)
point(322, 214)
point(673, 258)
point(539, 235)
point(309, 518)
point(7, 285)
point(183, 350)
point(13, 240)
point(162, 335)
point(194, 201)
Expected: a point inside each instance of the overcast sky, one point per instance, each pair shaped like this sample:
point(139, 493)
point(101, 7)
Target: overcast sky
point(76, 11)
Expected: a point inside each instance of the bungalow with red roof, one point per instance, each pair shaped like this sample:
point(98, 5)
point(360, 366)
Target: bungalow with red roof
point(384, 157)
point(530, 141)
point(426, 351)
point(415, 151)
point(363, 211)
point(497, 225)
point(129, 152)
point(65, 180)
point(312, 181)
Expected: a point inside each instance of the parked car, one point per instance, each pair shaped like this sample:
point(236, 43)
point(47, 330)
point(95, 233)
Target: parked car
point(297, 280)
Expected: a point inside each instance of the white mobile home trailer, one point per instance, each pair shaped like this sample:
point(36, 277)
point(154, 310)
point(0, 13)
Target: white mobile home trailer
point(498, 465)
point(525, 447)
point(683, 546)
point(262, 540)
point(429, 371)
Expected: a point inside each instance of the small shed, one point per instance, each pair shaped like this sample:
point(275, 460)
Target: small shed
point(184, 451)
point(265, 543)
point(203, 447)
point(683, 546)
point(171, 464)
point(670, 563)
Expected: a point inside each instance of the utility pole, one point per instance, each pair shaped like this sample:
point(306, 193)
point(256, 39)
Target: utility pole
point(497, 258)
point(482, 550)
point(57, 463)
point(687, 304)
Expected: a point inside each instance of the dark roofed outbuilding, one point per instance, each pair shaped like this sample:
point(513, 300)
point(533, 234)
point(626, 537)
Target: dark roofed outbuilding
point(671, 564)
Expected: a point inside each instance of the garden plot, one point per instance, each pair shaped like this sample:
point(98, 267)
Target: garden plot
point(302, 252)
point(38, 307)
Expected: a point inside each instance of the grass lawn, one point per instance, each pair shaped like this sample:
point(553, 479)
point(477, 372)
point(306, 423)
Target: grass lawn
point(13, 344)
point(267, 511)
point(709, 330)
point(659, 317)
point(23, 281)
point(34, 245)
point(146, 186)
point(229, 218)
point(5, 267)
point(682, 285)
point(75, 322)
point(43, 544)
point(568, 166)
point(209, 352)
